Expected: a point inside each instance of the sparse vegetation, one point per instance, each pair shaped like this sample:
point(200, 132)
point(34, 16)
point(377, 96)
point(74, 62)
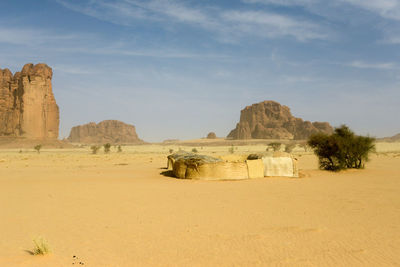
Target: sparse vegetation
point(37, 148)
point(232, 149)
point(341, 150)
point(289, 147)
point(95, 149)
point(119, 149)
point(41, 246)
point(275, 146)
point(171, 150)
point(194, 150)
point(107, 148)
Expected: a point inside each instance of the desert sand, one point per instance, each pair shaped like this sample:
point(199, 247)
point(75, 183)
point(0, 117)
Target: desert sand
point(118, 209)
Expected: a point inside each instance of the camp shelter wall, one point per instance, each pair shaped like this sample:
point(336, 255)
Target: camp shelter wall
point(211, 171)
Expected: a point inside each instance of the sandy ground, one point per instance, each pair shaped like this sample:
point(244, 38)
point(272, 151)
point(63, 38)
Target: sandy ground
point(118, 210)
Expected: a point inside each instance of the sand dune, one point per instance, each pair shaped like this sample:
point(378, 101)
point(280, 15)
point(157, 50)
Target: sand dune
point(118, 210)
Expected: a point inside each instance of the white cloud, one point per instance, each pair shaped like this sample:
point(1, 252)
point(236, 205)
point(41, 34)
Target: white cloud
point(71, 69)
point(282, 2)
point(26, 36)
point(365, 65)
point(386, 8)
point(273, 25)
point(297, 79)
point(226, 25)
point(174, 10)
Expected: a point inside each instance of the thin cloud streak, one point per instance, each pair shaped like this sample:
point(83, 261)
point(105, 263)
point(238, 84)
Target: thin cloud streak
point(386, 8)
point(272, 25)
point(365, 65)
point(282, 2)
point(23, 36)
point(156, 53)
point(233, 23)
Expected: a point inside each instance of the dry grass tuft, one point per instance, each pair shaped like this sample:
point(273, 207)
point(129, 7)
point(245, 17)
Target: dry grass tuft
point(41, 246)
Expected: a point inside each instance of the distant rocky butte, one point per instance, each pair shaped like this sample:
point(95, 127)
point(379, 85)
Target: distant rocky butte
point(27, 104)
point(394, 138)
point(108, 131)
point(271, 120)
point(211, 135)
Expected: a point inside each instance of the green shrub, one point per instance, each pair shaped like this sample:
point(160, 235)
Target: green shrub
point(171, 151)
point(41, 247)
point(341, 150)
point(194, 150)
point(275, 146)
point(107, 147)
point(289, 147)
point(37, 148)
point(95, 149)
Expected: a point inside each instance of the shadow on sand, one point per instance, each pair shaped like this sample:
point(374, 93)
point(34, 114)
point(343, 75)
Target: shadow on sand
point(29, 252)
point(168, 174)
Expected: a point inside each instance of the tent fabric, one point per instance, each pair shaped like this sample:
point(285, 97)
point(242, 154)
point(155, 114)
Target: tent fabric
point(255, 168)
point(194, 166)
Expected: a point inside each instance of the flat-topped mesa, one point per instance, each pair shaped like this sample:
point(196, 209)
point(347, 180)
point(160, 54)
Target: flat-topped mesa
point(27, 104)
point(271, 120)
point(108, 131)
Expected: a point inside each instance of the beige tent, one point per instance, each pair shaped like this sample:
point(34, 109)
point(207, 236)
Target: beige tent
point(193, 166)
point(276, 164)
point(174, 157)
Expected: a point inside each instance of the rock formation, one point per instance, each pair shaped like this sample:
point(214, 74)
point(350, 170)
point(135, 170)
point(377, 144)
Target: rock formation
point(108, 131)
point(211, 135)
point(27, 104)
point(271, 120)
point(394, 138)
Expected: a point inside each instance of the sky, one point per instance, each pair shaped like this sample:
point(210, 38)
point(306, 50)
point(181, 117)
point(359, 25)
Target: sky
point(178, 69)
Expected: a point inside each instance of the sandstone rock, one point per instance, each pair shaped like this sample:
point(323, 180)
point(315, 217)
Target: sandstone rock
point(271, 120)
point(108, 131)
point(394, 138)
point(211, 135)
point(27, 104)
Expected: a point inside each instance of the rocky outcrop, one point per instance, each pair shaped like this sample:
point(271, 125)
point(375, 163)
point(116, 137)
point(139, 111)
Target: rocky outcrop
point(27, 104)
point(211, 135)
point(271, 120)
point(108, 131)
point(395, 138)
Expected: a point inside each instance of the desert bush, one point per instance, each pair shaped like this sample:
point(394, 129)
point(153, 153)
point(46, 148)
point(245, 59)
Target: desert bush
point(194, 150)
point(41, 247)
point(171, 150)
point(119, 149)
point(232, 149)
point(37, 148)
point(289, 147)
point(275, 146)
point(341, 150)
point(107, 147)
point(95, 149)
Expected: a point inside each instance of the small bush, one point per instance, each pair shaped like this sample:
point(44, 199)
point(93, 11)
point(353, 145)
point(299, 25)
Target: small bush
point(119, 149)
point(194, 150)
point(232, 149)
point(95, 149)
point(41, 247)
point(275, 146)
point(107, 148)
point(37, 148)
point(289, 147)
point(341, 150)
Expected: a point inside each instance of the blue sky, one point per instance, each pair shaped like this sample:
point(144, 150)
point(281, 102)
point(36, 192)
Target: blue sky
point(180, 69)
